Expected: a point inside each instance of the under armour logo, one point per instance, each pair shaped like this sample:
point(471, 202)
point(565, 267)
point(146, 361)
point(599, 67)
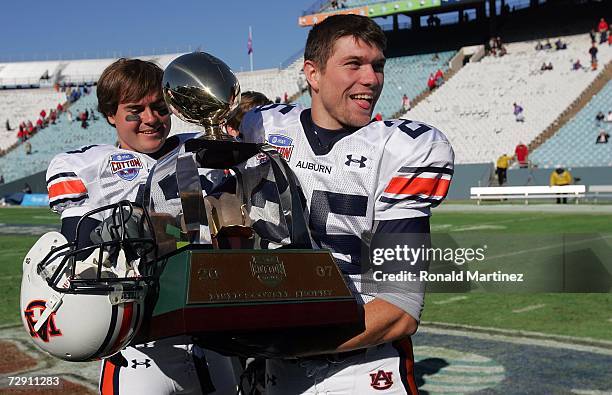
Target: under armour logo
point(270, 379)
point(350, 161)
point(146, 363)
point(381, 376)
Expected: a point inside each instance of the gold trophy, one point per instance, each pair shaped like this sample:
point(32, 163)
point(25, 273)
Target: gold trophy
point(239, 272)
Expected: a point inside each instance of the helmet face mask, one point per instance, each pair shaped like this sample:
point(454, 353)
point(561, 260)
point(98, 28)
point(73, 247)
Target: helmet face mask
point(82, 304)
point(123, 251)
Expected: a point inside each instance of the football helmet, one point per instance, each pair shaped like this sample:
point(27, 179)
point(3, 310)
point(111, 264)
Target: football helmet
point(82, 304)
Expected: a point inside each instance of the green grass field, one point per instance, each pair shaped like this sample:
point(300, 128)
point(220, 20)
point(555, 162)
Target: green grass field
point(572, 314)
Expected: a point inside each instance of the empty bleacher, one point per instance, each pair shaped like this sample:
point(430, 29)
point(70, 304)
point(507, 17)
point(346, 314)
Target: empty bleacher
point(474, 108)
point(272, 82)
point(574, 144)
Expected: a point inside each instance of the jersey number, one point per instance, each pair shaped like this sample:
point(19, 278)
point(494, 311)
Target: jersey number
point(324, 203)
point(284, 110)
point(404, 128)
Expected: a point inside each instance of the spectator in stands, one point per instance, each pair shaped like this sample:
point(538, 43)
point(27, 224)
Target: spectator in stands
point(60, 108)
point(546, 67)
point(547, 44)
point(603, 137)
point(560, 45)
point(83, 118)
point(248, 100)
point(609, 117)
point(21, 133)
point(405, 103)
point(539, 46)
point(69, 116)
point(560, 177)
point(378, 117)
point(592, 35)
point(518, 112)
point(439, 77)
point(8, 126)
point(27, 146)
point(39, 124)
point(1, 179)
point(603, 37)
point(549, 66)
point(503, 162)
point(43, 114)
point(593, 52)
point(285, 98)
point(431, 82)
point(599, 118)
point(430, 21)
point(277, 100)
point(26, 188)
point(603, 25)
point(334, 4)
point(522, 153)
point(577, 65)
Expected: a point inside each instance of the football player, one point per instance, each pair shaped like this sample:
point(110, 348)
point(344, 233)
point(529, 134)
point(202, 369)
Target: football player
point(130, 97)
point(359, 176)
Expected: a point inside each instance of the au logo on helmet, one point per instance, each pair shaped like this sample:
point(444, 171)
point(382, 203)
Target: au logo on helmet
point(126, 166)
point(32, 312)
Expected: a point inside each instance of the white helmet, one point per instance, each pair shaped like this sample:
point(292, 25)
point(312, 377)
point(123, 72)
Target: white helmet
point(82, 304)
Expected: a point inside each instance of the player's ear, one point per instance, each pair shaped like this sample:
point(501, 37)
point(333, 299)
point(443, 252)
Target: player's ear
point(312, 74)
point(111, 119)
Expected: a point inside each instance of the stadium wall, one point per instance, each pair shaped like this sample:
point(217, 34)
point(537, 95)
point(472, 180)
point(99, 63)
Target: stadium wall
point(36, 181)
point(587, 175)
point(467, 176)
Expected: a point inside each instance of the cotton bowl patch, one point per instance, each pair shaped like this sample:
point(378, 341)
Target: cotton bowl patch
point(126, 166)
point(283, 144)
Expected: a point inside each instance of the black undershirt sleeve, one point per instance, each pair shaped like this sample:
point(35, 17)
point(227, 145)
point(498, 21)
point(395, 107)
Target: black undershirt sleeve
point(69, 229)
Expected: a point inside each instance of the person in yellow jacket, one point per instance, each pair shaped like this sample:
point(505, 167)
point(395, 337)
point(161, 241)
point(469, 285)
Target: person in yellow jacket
point(503, 162)
point(560, 177)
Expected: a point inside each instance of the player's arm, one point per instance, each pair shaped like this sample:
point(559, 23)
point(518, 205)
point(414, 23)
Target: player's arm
point(68, 196)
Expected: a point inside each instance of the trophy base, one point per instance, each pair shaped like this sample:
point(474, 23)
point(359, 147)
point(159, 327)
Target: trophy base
point(268, 303)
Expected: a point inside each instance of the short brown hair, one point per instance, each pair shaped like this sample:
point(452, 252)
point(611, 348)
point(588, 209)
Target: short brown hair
point(248, 100)
point(127, 80)
point(323, 36)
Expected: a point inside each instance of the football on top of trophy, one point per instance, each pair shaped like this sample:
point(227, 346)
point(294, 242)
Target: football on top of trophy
point(200, 88)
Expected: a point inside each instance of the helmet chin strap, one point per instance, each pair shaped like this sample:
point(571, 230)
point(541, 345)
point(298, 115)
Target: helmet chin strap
point(51, 307)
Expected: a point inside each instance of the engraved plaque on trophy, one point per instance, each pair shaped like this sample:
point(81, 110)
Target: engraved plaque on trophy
point(239, 266)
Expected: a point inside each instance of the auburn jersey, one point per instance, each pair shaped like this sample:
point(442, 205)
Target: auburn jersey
point(98, 175)
point(386, 170)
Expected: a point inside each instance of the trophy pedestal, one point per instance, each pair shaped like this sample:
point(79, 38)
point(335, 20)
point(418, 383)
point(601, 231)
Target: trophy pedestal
point(269, 303)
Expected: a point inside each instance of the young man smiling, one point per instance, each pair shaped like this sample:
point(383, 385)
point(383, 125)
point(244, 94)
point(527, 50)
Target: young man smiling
point(130, 97)
point(384, 177)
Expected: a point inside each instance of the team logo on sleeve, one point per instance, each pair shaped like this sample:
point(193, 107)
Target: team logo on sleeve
point(126, 166)
point(283, 144)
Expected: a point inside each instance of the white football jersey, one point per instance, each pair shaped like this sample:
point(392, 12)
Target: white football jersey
point(386, 170)
point(97, 175)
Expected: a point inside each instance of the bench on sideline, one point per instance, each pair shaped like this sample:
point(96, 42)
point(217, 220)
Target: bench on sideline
point(596, 191)
point(528, 192)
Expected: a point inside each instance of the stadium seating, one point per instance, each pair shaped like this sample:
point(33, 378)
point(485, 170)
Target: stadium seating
point(574, 144)
point(406, 74)
point(19, 105)
point(272, 82)
point(54, 139)
point(474, 108)
point(26, 74)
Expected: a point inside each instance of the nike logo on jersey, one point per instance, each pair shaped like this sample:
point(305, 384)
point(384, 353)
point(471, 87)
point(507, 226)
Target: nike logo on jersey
point(314, 167)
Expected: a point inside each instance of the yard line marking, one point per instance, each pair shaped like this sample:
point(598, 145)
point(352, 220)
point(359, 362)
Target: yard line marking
point(451, 300)
point(609, 319)
point(548, 247)
point(529, 308)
